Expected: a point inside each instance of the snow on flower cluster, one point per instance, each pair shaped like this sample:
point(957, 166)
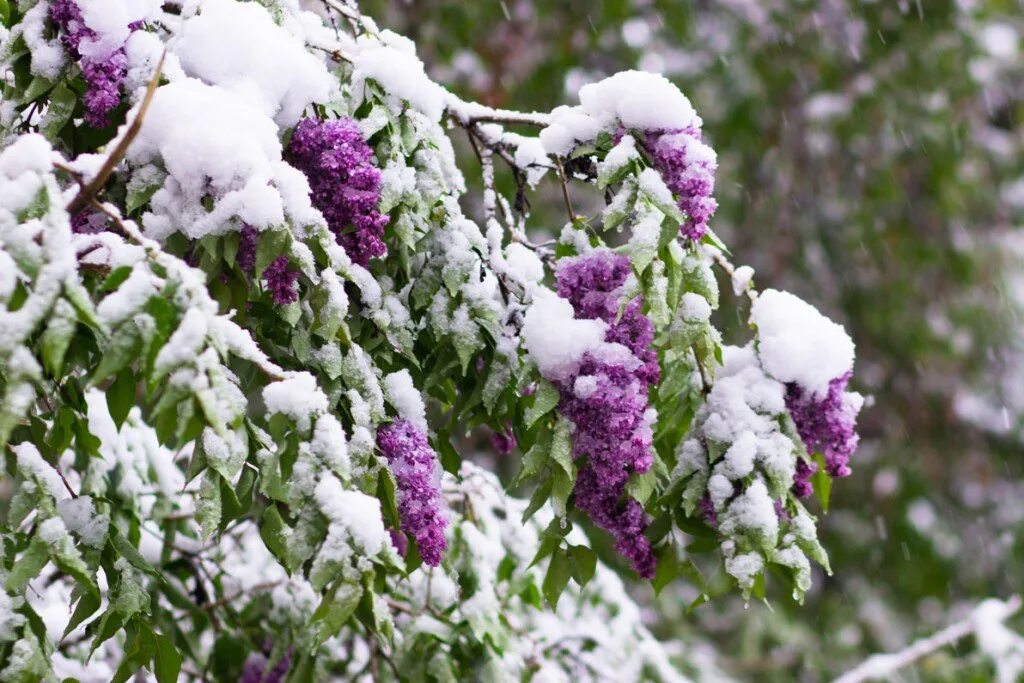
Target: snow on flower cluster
point(669, 129)
point(813, 356)
point(212, 145)
point(605, 397)
point(687, 165)
point(104, 66)
point(416, 469)
point(739, 465)
point(344, 183)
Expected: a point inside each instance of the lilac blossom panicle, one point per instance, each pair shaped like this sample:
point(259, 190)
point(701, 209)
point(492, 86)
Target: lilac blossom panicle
point(827, 425)
point(246, 255)
point(103, 76)
point(504, 441)
point(414, 464)
point(687, 165)
point(88, 222)
point(607, 401)
point(255, 669)
point(280, 281)
point(344, 183)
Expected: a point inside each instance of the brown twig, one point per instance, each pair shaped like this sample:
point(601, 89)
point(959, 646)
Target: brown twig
point(565, 189)
point(92, 189)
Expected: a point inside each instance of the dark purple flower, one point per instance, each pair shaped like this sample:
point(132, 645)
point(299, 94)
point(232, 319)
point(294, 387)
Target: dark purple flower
point(687, 166)
point(802, 487)
point(246, 256)
point(415, 466)
point(88, 222)
point(607, 401)
point(255, 669)
point(280, 281)
point(707, 508)
point(399, 540)
point(826, 424)
point(103, 76)
point(343, 183)
point(504, 442)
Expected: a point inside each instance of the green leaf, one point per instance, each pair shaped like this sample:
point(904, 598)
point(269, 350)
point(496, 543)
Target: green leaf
point(138, 653)
point(335, 609)
point(166, 659)
point(121, 396)
point(39, 86)
point(129, 552)
point(272, 532)
point(557, 577)
point(544, 400)
point(28, 565)
point(59, 111)
point(668, 567)
point(57, 336)
point(561, 446)
point(561, 488)
point(584, 563)
point(536, 500)
point(142, 187)
point(85, 608)
point(822, 482)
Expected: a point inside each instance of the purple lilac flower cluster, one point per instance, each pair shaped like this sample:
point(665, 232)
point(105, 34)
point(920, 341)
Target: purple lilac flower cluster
point(687, 166)
point(344, 183)
point(103, 76)
point(607, 401)
point(414, 464)
point(827, 425)
point(255, 669)
point(280, 279)
point(88, 222)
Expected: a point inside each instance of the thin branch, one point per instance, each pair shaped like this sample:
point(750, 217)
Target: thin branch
point(565, 189)
point(92, 189)
point(883, 666)
point(730, 270)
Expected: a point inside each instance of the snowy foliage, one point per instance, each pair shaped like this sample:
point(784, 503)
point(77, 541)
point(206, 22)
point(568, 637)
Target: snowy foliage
point(246, 328)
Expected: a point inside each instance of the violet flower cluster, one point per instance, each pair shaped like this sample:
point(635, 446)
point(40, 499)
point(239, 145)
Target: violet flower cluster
point(255, 669)
point(827, 425)
point(344, 183)
point(103, 76)
point(415, 466)
point(279, 278)
point(687, 166)
point(607, 401)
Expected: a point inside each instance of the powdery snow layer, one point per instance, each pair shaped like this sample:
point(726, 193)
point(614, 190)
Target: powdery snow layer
point(798, 344)
point(396, 67)
point(238, 46)
point(633, 99)
point(555, 339)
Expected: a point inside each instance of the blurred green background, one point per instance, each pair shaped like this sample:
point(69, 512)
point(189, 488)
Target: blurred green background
point(870, 161)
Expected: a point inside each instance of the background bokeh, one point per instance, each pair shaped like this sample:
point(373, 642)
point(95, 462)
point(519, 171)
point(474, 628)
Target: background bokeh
point(870, 162)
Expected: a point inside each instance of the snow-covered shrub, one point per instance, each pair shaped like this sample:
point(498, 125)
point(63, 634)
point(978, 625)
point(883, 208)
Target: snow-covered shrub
point(246, 328)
